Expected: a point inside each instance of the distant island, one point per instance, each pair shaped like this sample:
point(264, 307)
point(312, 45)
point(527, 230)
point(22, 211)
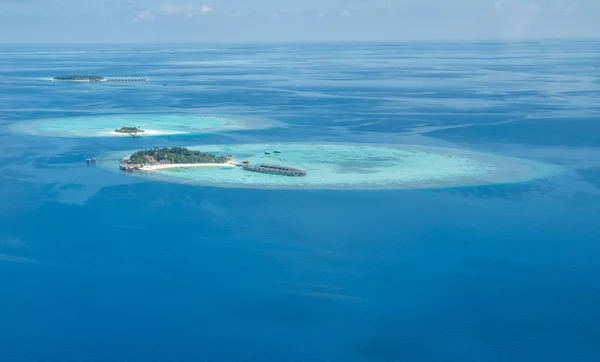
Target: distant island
point(158, 158)
point(81, 78)
point(129, 130)
point(97, 78)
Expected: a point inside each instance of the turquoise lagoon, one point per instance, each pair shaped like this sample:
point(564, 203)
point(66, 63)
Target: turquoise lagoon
point(351, 166)
point(154, 124)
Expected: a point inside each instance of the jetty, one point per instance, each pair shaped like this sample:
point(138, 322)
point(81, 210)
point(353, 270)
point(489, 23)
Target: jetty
point(274, 170)
point(96, 78)
point(130, 80)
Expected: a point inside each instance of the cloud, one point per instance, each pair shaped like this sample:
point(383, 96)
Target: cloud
point(185, 10)
point(320, 15)
point(145, 15)
point(236, 14)
point(167, 9)
point(275, 15)
point(346, 13)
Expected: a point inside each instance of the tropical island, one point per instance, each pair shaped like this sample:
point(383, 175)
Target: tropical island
point(160, 158)
point(81, 78)
point(96, 78)
point(180, 157)
point(129, 130)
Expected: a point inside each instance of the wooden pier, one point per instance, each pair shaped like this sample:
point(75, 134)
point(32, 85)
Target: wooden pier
point(274, 170)
point(128, 80)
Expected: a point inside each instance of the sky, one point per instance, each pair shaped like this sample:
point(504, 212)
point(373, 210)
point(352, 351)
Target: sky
point(215, 21)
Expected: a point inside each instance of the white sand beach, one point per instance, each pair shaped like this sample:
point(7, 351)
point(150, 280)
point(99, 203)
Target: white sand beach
point(147, 132)
point(184, 165)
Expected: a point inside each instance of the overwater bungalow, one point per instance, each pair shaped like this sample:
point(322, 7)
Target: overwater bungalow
point(275, 170)
point(127, 79)
point(129, 168)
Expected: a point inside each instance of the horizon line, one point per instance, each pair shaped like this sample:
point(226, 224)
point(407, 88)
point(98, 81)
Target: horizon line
point(457, 40)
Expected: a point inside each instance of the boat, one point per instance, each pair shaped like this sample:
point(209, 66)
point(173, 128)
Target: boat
point(267, 153)
point(276, 151)
point(90, 160)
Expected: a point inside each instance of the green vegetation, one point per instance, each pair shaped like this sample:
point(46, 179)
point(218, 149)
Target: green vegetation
point(129, 130)
point(91, 78)
point(174, 155)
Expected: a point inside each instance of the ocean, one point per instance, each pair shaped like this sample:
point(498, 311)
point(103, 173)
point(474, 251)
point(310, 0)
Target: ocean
point(100, 266)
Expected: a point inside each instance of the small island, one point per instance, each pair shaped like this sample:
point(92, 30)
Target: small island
point(96, 78)
point(129, 130)
point(181, 157)
point(160, 158)
point(81, 78)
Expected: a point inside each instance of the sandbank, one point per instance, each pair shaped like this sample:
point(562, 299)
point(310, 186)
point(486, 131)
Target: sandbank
point(146, 132)
point(154, 124)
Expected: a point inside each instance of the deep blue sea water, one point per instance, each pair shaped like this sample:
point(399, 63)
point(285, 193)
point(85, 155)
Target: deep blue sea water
point(99, 266)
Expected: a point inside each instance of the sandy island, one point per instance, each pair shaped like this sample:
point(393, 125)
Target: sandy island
point(146, 132)
point(184, 165)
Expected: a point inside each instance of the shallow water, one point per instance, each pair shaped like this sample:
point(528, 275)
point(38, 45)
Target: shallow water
point(163, 124)
point(99, 266)
point(351, 166)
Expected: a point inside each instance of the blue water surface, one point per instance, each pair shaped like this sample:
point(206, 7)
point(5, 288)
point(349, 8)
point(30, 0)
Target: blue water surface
point(100, 266)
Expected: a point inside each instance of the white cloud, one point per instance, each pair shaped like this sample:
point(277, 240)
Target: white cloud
point(167, 9)
point(275, 16)
point(145, 15)
point(570, 9)
point(237, 14)
point(320, 15)
point(346, 13)
point(187, 10)
point(533, 7)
